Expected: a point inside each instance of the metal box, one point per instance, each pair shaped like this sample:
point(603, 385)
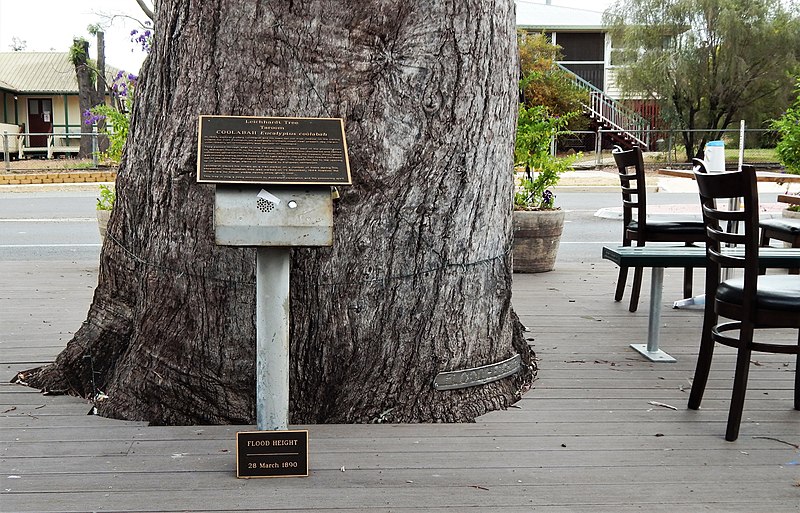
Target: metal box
point(254, 215)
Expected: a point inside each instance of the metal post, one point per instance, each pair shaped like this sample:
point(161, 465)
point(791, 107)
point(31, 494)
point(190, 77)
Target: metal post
point(654, 317)
point(272, 338)
point(95, 147)
point(598, 148)
point(6, 157)
point(651, 350)
point(669, 149)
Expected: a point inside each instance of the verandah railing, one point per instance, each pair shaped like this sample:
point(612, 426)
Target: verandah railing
point(611, 113)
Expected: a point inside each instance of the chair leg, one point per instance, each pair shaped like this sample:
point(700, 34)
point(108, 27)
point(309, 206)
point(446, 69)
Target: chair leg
point(704, 357)
point(795, 243)
point(687, 282)
point(687, 277)
point(637, 287)
point(797, 376)
point(763, 242)
point(623, 277)
point(739, 383)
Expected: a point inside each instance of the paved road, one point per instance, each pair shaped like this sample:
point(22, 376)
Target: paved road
point(59, 225)
point(585, 233)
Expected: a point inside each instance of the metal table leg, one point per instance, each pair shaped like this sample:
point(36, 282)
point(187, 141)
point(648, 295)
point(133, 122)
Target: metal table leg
point(651, 350)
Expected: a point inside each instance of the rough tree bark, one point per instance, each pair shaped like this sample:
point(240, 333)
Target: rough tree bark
point(419, 278)
point(86, 92)
point(100, 87)
point(90, 93)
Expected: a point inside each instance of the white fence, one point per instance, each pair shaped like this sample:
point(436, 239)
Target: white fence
point(17, 145)
point(667, 147)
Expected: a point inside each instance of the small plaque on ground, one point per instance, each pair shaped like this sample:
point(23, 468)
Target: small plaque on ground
point(271, 454)
point(272, 150)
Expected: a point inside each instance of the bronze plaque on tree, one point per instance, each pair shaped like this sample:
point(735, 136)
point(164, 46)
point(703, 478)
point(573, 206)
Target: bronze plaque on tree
point(272, 454)
point(271, 150)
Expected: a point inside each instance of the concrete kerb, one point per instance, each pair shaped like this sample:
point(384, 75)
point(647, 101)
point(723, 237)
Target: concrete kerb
point(54, 187)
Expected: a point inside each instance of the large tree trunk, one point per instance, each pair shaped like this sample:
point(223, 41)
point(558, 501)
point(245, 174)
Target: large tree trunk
point(419, 278)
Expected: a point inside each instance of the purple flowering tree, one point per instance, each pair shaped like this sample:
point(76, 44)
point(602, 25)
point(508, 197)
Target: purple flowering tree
point(418, 280)
point(115, 116)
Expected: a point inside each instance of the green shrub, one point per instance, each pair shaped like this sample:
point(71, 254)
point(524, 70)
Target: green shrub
point(107, 198)
point(536, 128)
point(788, 127)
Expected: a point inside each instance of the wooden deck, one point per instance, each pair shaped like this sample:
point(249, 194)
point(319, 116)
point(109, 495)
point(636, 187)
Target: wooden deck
point(585, 438)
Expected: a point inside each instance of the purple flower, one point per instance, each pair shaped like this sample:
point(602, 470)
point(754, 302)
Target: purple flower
point(548, 197)
point(90, 118)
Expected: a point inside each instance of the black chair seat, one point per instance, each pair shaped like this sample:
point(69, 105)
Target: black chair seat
point(774, 292)
point(685, 227)
point(782, 224)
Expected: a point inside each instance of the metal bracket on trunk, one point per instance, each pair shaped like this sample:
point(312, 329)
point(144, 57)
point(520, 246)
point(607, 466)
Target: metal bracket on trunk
point(475, 376)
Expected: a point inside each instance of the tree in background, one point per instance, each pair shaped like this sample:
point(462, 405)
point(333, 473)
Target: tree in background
point(550, 105)
point(788, 127)
point(708, 63)
point(418, 280)
point(542, 82)
point(122, 88)
point(79, 57)
point(91, 85)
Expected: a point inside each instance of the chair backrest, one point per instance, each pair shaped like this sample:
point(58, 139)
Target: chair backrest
point(715, 188)
point(630, 166)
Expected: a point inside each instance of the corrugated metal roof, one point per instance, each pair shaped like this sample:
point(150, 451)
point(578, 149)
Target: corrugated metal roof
point(40, 72)
point(538, 16)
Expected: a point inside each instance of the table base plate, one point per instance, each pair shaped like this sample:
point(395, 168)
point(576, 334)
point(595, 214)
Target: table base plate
point(657, 356)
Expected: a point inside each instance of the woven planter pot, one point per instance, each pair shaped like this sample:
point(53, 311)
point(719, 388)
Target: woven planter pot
point(102, 222)
point(537, 234)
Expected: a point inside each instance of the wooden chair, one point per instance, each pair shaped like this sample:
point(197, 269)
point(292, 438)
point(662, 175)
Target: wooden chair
point(636, 227)
point(751, 302)
point(786, 230)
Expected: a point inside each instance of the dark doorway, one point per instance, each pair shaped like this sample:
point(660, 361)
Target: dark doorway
point(583, 53)
point(40, 121)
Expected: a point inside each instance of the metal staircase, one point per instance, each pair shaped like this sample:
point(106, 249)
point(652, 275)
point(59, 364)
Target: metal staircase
point(628, 127)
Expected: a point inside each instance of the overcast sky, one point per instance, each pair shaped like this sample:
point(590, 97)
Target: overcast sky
point(50, 25)
point(590, 5)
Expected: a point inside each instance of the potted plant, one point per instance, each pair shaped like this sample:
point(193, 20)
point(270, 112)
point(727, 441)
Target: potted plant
point(105, 203)
point(537, 222)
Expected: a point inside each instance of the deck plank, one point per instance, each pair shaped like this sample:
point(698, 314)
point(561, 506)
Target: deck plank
point(584, 438)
